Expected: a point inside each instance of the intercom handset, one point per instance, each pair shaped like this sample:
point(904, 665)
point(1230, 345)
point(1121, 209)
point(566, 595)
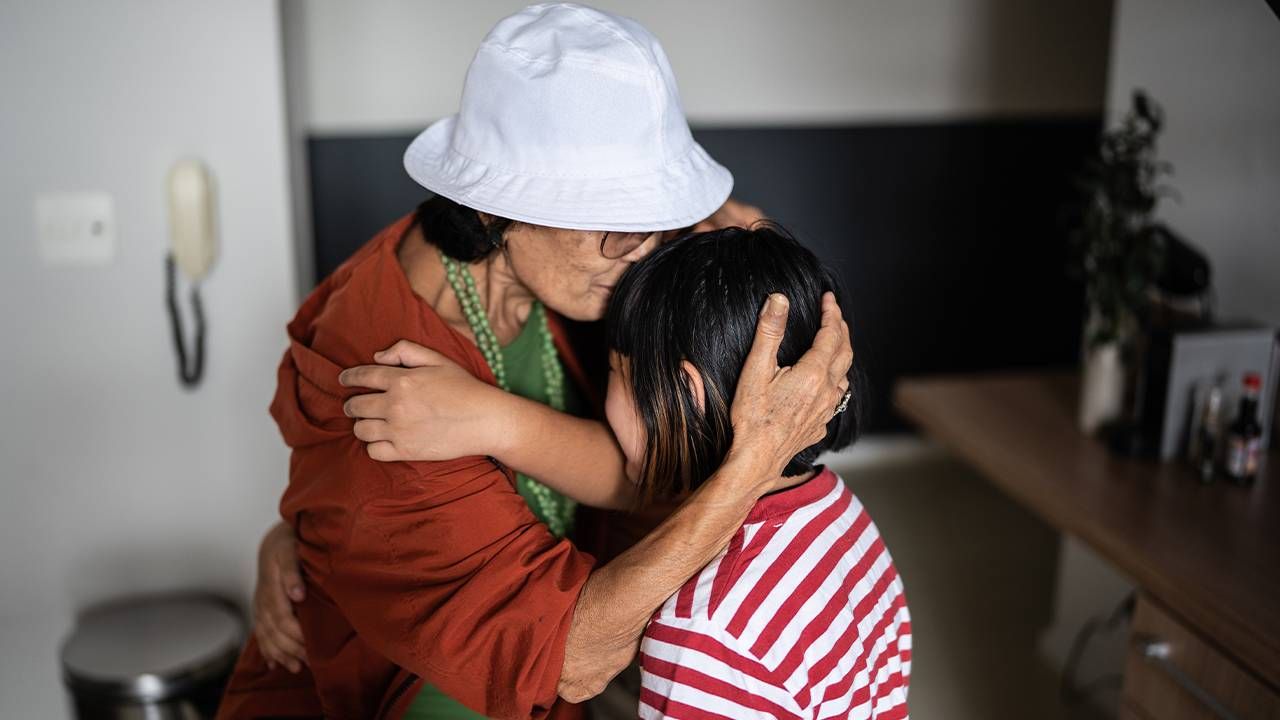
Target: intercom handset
point(193, 234)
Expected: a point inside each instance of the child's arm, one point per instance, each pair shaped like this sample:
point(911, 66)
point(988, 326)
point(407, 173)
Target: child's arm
point(574, 456)
point(435, 410)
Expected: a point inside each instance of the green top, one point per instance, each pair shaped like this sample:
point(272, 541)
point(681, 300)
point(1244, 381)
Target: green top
point(523, 359)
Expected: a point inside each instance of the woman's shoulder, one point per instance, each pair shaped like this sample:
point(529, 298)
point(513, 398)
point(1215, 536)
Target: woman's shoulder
point(367, 304)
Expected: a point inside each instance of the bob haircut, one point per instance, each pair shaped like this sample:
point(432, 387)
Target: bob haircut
point(698, 298)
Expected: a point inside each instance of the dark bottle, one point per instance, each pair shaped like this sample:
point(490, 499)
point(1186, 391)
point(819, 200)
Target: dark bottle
point(1244, 437)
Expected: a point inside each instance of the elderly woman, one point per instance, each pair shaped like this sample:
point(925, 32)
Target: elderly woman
point(444, 587)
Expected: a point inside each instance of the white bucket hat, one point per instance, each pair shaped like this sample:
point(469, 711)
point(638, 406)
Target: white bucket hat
point(570, 118)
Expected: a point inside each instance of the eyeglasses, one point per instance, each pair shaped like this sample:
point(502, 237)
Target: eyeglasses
point(616, 245)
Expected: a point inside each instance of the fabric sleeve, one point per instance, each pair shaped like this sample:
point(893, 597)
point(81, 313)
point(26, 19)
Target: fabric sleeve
point(690, 671)
point(448, 574)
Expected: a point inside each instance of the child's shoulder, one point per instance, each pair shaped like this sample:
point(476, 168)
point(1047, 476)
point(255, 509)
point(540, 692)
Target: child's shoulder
point(780, 553)
point(815, 576)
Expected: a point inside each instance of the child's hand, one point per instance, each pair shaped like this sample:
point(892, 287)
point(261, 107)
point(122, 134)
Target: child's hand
point(428, 407)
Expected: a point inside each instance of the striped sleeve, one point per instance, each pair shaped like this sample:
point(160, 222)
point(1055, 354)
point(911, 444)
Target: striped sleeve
point(690, 673)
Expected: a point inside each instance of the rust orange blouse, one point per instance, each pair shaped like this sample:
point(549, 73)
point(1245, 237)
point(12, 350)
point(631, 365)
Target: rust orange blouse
point(434, 570)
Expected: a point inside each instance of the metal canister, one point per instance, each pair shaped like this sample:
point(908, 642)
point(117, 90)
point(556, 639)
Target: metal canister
point(152, 657)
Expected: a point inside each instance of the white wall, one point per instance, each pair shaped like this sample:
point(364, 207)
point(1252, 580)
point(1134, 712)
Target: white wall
point(394, 65)
point(112, 478)
point(1215, 67)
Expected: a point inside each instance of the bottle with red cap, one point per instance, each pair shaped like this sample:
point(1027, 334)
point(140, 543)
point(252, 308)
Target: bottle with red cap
point(1244, 437)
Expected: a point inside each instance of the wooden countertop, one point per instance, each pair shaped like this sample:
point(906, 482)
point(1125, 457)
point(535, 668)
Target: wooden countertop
point(1210, 553)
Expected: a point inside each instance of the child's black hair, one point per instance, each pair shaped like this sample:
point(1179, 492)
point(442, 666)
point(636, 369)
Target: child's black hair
point(698, 298)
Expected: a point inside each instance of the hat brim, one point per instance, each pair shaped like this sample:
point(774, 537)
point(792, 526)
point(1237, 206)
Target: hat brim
point(682, 193)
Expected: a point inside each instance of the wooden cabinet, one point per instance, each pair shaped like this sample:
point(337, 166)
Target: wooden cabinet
point(1171, 673)
point(1206, 558)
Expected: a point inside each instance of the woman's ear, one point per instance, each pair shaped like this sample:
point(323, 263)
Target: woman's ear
point(694, 377)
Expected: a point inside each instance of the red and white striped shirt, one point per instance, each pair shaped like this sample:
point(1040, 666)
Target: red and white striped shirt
point(802, 616)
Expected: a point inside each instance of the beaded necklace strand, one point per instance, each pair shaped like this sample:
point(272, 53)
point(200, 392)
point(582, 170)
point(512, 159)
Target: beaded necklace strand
point(556, 510)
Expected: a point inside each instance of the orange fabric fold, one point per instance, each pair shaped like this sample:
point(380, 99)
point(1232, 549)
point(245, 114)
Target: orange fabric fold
point(415, 571)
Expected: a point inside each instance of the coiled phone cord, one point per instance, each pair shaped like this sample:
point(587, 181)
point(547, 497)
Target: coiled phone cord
point(188, 372)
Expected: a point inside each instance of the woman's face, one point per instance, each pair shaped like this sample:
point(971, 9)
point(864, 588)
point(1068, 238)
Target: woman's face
point(567, 270)
point(620, 409)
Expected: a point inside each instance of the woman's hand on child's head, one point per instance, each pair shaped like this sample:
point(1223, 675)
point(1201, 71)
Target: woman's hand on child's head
point(779, 411)
point(428, 407)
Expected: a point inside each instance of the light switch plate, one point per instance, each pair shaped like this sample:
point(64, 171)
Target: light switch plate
point(76, 228)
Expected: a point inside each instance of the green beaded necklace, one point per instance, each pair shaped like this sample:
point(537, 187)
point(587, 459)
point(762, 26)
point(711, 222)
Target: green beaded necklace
point(555, 509)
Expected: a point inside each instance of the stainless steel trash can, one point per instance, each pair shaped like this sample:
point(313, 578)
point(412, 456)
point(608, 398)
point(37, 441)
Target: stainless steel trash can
point(154, 658)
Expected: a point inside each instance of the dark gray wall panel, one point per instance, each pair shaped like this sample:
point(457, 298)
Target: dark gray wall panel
point(947, 236)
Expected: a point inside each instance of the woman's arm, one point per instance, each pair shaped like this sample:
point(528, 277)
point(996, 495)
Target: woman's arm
point(776, 413)
point(431, 409)
point(619, 598)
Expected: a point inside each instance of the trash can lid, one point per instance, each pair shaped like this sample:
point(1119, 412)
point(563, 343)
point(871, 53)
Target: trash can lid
point(152, 648)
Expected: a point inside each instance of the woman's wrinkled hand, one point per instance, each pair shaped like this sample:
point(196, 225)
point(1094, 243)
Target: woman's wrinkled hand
point(427, 407)
point(779, 411)
point(279, 586)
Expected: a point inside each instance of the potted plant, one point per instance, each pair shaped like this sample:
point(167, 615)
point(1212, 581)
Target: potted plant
point(1119, 250)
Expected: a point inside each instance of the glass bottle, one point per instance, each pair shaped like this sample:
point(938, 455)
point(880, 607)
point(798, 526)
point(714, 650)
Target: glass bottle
point(1207, 437)
point(1244, 436)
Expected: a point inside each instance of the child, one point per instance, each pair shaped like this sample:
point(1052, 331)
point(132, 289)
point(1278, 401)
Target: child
point(803, 615)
